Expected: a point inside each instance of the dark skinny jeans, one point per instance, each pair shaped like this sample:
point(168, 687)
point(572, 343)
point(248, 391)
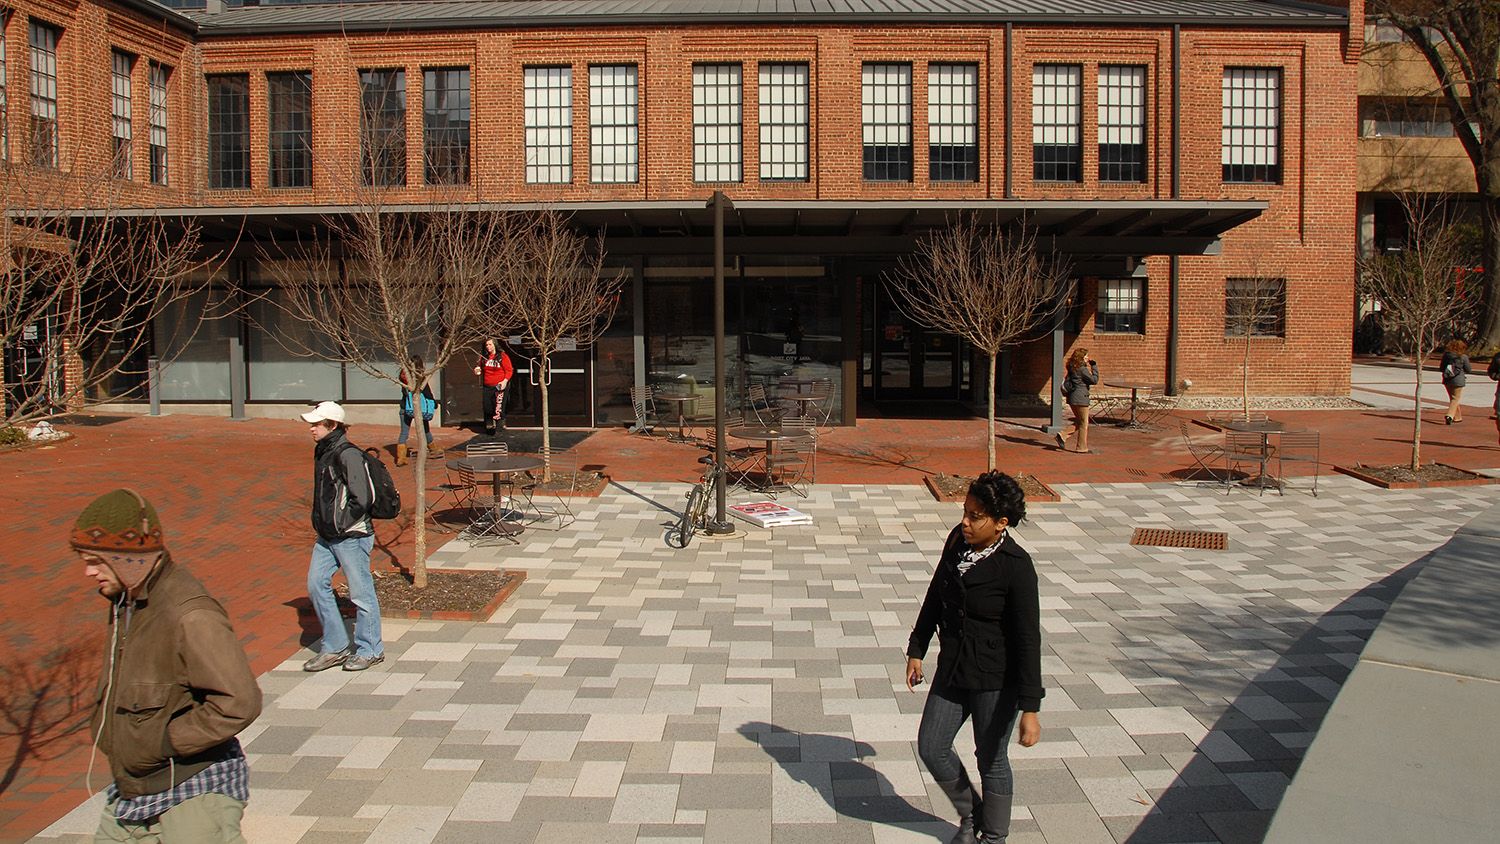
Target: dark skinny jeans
point(994, 713)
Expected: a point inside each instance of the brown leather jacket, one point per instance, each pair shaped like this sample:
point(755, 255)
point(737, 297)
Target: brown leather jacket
point(175, 686)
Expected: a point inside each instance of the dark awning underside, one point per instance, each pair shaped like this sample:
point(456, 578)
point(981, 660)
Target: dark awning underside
point(1084, 229)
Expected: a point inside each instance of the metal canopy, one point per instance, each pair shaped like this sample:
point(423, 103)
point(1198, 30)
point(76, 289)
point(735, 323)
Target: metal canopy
point(1083, 229)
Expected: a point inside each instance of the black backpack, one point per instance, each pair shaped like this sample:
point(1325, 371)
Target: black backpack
point(387, 499)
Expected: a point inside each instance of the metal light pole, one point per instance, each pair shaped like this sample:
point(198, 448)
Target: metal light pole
point(720, 524)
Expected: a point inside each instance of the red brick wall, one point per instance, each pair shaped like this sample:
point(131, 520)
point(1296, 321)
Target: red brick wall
point(1307, 235)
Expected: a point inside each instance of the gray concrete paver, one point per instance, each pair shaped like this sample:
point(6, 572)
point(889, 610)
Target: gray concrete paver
point(749, 690)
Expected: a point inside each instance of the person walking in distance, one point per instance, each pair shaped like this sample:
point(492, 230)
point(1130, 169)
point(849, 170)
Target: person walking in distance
point(175, 688)
point(985, 607)
point(1455, 369)
point(342, 494)
point(496, 371)
point(1082, 374)
point(1494, 373)
point(409, 415)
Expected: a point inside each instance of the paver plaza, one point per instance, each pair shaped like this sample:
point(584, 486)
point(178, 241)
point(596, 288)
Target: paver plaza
point(749, 690)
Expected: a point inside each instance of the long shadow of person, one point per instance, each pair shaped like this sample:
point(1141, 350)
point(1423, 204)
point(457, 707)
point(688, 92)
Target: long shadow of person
point(830, 766)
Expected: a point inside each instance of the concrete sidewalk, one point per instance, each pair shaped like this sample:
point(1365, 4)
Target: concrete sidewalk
point(749, 690)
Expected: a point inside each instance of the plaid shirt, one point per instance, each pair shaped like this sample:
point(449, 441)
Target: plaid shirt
point(229, 776)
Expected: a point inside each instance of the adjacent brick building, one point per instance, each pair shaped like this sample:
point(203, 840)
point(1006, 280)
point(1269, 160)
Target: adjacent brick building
point(1170, 148)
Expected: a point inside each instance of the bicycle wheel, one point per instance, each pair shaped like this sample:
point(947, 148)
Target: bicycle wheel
point(689, 523)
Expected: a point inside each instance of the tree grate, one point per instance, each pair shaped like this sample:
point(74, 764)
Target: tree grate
point(1206, 540)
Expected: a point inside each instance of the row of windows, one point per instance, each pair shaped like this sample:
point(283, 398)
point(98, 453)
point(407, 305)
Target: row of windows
point(43, 119)
point(1256, 306)
point(1250, 145)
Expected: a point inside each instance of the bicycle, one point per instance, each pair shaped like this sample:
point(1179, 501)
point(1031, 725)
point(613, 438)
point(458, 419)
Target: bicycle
point(695, 510)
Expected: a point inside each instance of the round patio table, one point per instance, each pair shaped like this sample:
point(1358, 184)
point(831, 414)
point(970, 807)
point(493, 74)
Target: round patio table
point(1135, 388)
point(770, 436)
point(1264, 427)
point(681, 401)
point(500, 468)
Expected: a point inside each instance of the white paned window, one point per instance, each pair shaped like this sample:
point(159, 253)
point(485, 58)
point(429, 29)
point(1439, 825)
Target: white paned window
point(1252, 124)
point(1056, 122)
point(119, 113)
point(718, 146)
point(784, 97)
point(885, 117)
point(44, 141)
point(614, 124)
point(549, 125)
point(159, 75)
point(1122, 306)
point(953, 122)
point(1122, 123)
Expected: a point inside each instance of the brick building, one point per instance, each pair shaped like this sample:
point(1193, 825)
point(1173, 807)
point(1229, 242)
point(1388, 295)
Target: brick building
point(1171, 149)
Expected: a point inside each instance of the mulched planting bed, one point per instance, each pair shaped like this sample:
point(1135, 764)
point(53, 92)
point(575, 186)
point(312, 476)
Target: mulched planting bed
point(954, 487)
point(1402, 477)
point(450, 595)
point(587, 483)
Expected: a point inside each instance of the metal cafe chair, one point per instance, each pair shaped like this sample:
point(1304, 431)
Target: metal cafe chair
point(739, 462)
point(1242, 447)
point(791, 465)
point(1299, 447)
point(644, 406)
point(1205, 455)
point(563, 463)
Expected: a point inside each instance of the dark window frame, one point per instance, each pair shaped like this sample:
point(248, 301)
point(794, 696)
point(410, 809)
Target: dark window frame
point(447, 121)
point(228, 131)
point(1266, 295)
point(953, 125)
point(1057, 122)
point(886, 122)
point(614, 124)
point(45, 138)
point(1122, 122)
point(1246, 132)
point(548, 126)
point(1109, 318)
point(289, 129)
point(122, 132)
point(718, 123)
point(785, 114)
point(382, 126)
point(160, 77)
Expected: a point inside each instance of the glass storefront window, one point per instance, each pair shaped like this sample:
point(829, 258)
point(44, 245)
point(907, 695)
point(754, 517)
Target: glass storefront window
point(285, 354)
point(195, 358)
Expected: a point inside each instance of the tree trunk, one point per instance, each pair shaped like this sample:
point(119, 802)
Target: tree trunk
point(1245, 375)
point(994, 366)
point(419, 512)
point(1416, 422)
point(1487, 338)
point(545, 362)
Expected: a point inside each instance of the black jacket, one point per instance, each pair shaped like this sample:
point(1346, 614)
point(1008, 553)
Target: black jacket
point(1458, 366)
point(342, 493)
point(988, 622)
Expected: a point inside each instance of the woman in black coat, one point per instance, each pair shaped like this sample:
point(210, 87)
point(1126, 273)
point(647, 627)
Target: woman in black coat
point(1456, 370)
point(984, 605)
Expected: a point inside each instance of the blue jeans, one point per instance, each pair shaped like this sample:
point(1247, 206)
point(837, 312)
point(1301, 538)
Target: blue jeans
point(353, 556)
point(406, 420)
point(994, 713)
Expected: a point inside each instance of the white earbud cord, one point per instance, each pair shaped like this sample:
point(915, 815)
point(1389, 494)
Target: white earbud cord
point(109, 685)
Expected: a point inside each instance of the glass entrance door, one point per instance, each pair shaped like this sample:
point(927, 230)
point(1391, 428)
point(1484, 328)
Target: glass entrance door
point(913, 362)
point(570, 396)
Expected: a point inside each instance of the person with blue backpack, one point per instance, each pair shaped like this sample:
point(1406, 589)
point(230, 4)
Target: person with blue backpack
point(408, 414)
point(343, 501)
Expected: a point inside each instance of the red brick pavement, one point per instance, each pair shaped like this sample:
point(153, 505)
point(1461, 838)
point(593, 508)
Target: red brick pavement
point(234, 497)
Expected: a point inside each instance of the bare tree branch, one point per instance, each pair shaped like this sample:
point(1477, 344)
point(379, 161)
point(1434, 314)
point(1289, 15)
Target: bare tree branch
point(986, 284)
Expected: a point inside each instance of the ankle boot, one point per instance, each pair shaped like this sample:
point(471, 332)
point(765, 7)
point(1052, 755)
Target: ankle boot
point(994, 818)
point(435, 451)
point(400, 454)
point(965, 798)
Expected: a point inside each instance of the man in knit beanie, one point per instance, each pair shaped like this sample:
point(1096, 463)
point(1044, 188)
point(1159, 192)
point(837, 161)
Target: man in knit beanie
point(175, 690)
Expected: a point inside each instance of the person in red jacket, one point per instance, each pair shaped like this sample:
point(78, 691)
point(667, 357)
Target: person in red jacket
point(496, 371)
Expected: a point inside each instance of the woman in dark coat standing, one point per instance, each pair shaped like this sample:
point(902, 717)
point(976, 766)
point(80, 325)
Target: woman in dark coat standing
point(1456, 369)
point(1494, 373)
point(1082, 374)
point(984, 605)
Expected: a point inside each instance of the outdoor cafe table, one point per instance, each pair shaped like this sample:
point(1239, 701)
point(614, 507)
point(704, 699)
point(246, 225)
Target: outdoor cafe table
point(1264, 427)
point(804, 400)
point(500, 468)
point(1135, 388)
point(681, 401)
point(769, 436)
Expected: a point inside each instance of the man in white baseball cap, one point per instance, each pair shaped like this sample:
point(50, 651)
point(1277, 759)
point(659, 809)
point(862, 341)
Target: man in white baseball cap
point(341, 501)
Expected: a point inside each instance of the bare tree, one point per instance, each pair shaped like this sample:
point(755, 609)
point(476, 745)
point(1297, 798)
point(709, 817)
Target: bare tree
point(1419, 292)
point(1254, 306)
point(386, 284)
point(549, 290)
point(1460, 39)
point(984, 283)
point(82, 283)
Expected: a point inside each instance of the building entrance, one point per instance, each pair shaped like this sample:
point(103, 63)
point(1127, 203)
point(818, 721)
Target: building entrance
point(913, 362)
point(570, 396)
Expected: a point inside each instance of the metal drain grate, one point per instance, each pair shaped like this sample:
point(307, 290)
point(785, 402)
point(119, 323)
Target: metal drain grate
point(1207, 540)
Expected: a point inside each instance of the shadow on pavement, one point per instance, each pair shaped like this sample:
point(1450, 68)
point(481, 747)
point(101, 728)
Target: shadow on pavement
point(1234, 783)
point(849, 787)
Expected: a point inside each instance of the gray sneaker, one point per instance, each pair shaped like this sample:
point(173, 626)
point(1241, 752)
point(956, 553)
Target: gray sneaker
point(360, 663)
point(325, 661)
